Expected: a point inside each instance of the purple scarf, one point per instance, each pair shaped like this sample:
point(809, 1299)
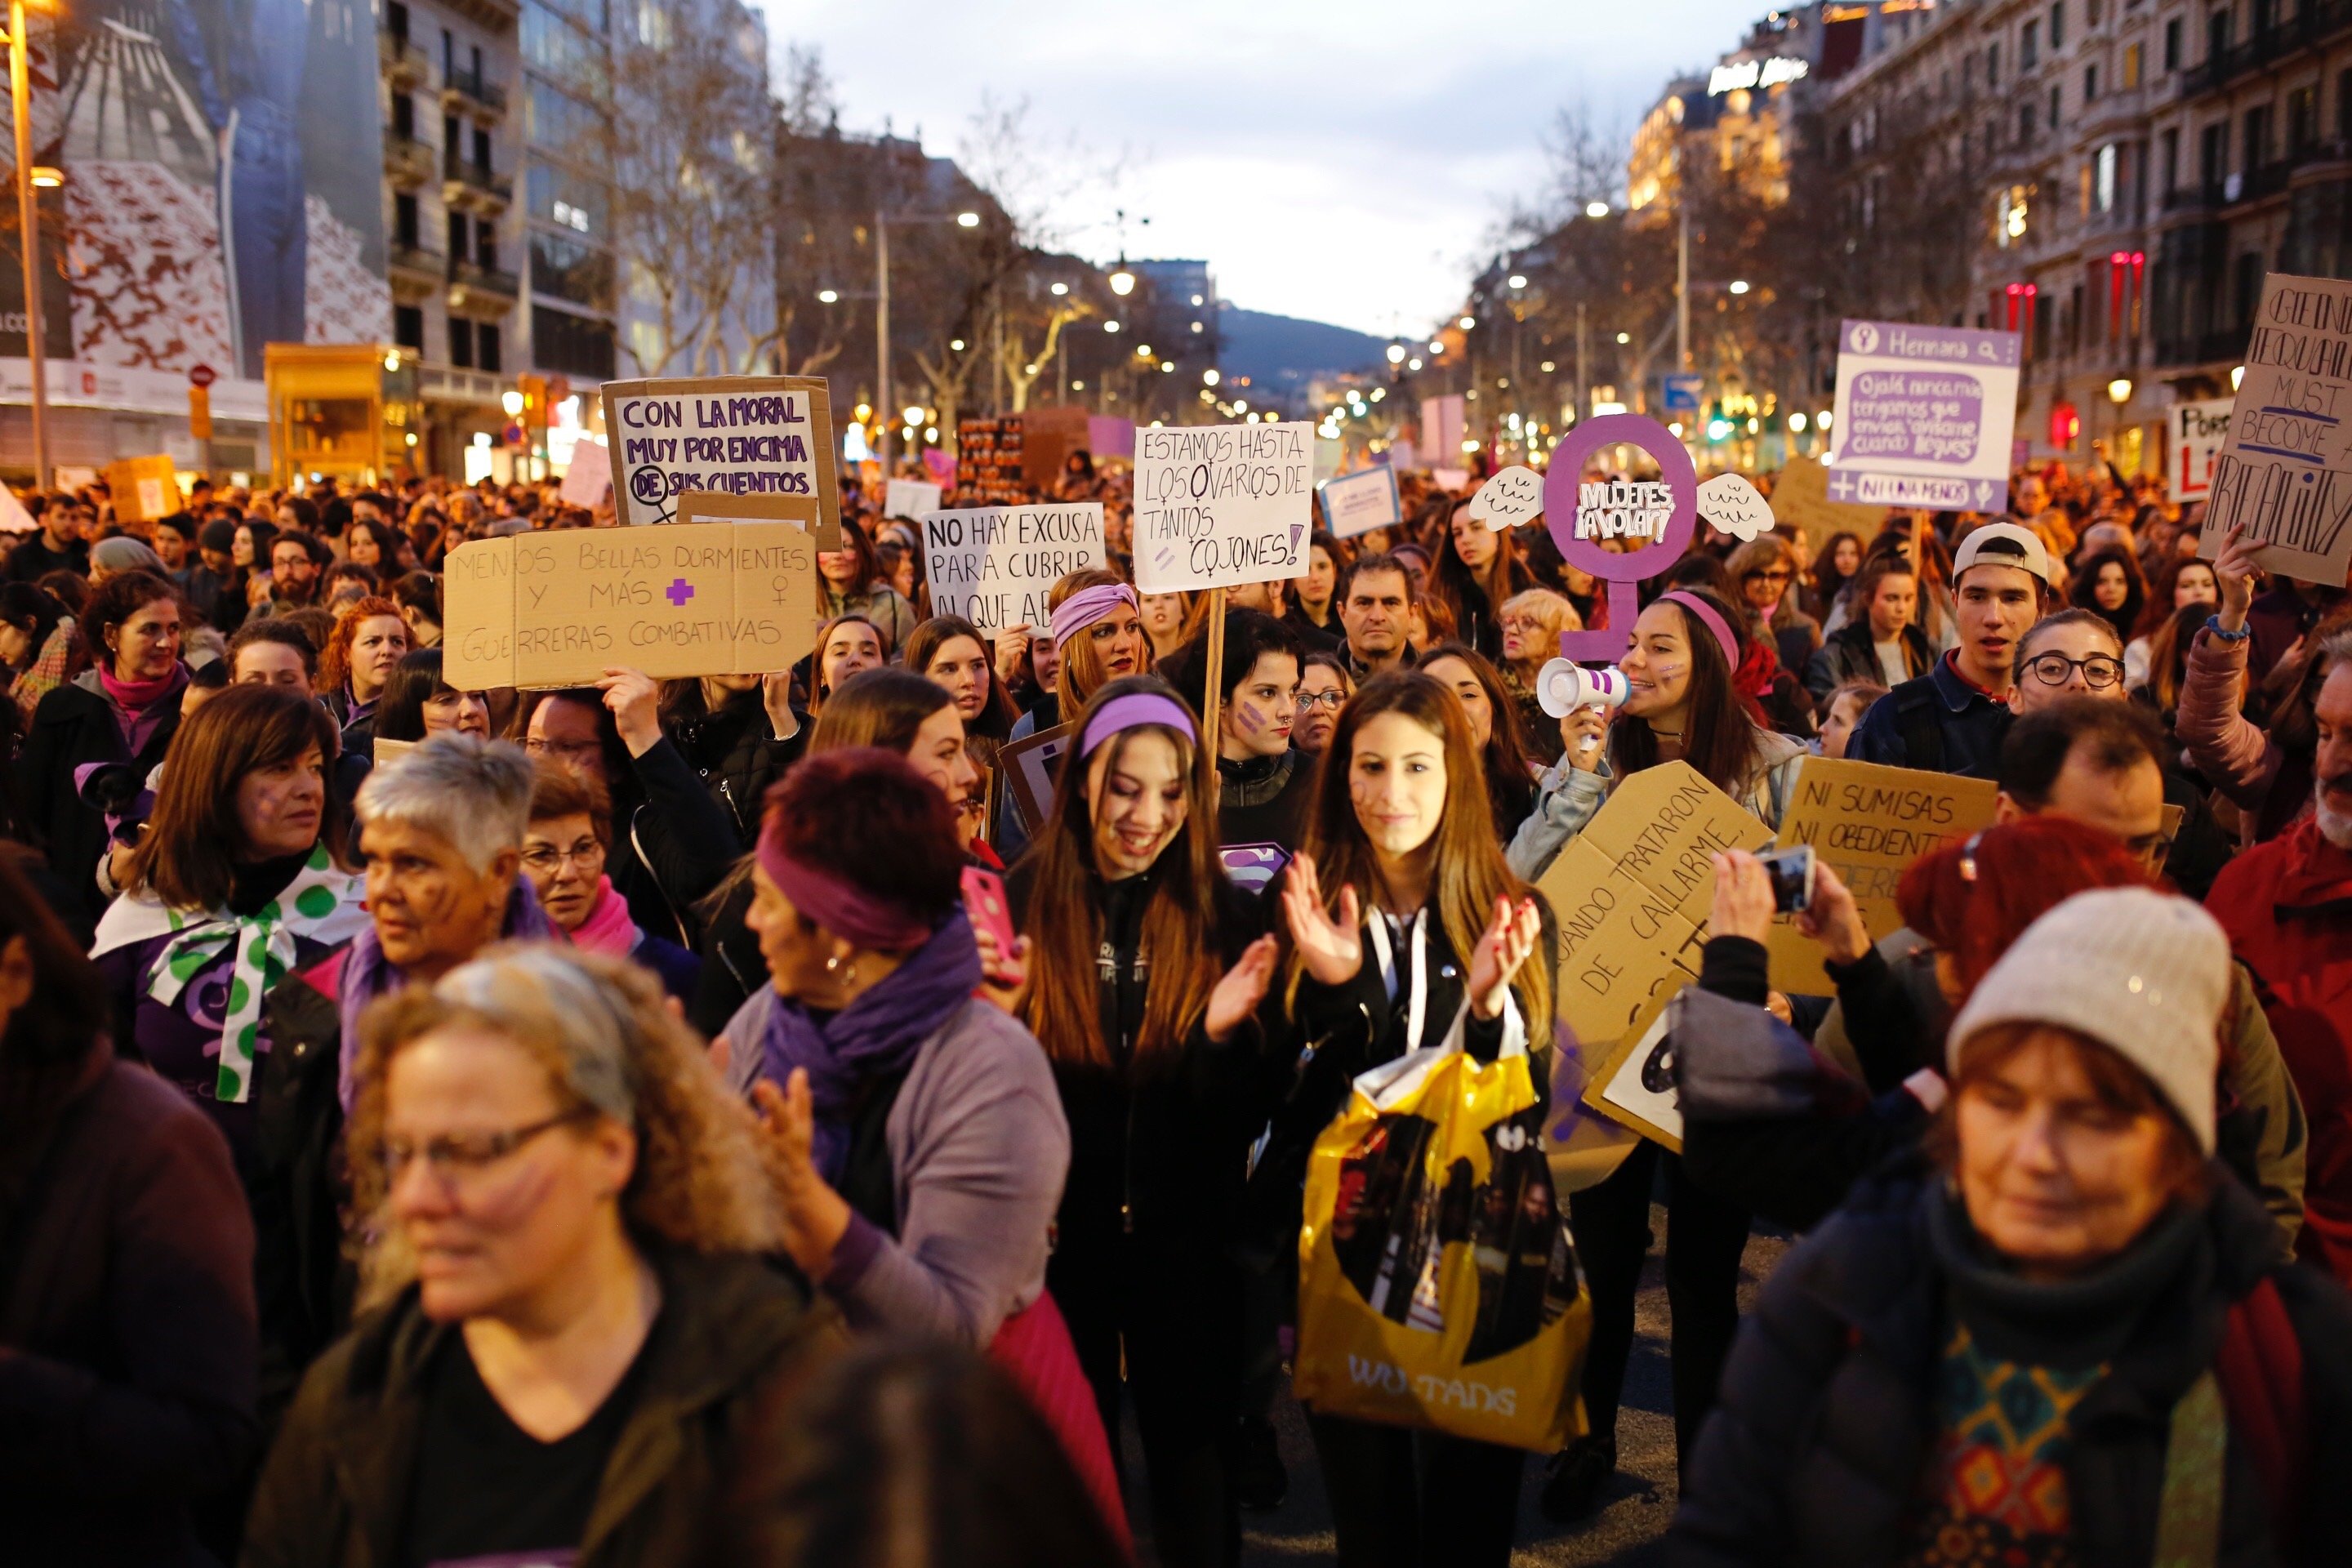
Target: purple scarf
point(368, 975)
point(142, 706)
point(876, 1035)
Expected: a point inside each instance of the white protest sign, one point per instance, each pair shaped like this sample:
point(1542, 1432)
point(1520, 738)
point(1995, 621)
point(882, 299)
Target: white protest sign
point(1514, 495)
point(1358, 502)
point(1624, 509)
point(2198, 430)
point(2286, 473)
point(1734, 505)
point(1443, 421)
point(1924, 416)
point(1402, 456)
point(993, 565)
point(745, 435)
point(589, 477)
point(1330, 455)
point(1450, 479)
point(909, 498)
point(1221, 505)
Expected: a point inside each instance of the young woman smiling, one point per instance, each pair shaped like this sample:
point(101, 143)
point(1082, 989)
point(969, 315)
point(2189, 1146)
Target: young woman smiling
point(1402, 917)
point(1147, 1010)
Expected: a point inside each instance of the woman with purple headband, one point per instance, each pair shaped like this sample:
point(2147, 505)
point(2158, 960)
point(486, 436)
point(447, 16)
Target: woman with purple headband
point(1097, 636)
point(1681, 703)
point(1145, 990)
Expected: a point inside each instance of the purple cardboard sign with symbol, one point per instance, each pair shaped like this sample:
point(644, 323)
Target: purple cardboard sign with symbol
point(1218, 506)
point(1582, 514)
point(1924, 416)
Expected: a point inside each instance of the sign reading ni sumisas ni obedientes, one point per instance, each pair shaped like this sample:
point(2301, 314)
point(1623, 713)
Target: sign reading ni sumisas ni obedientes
point(740, 435)
point(2285, 474)
point(1221, 505)
point(1924, 416)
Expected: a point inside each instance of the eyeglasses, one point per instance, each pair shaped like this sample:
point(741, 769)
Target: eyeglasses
point(454, 1156)
point(546, 858)
point(1334, 701)
point(1771, 574)
point(2099, 671)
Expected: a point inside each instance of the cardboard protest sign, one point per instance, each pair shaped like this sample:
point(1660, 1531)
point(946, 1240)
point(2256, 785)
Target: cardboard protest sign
point(1358, 502)
point(2286, 473)
point(1509, 499)
point(993, 565)
point(553, 609)
point(1220, 505)
point(1632, 894)
point(743, 435)
point(2196, 431)
point(1029, 765)
point(588, 481)
point(801, 511)
point(144, 489)
point(1924, 416)
point(1633, 1083)
point(1867, 823)
point(909, 498)
point(381, 750)
point(1735, 506)
point(1801, 501)
point(1048, 437)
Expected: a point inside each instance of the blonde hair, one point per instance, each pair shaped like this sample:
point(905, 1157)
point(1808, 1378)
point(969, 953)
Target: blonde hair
point(609, 1045)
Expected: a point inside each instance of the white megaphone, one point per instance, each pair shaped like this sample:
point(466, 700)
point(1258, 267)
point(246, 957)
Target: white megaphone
point(1563, 687)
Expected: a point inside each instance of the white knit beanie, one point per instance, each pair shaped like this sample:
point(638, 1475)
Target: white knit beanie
point(2145, 973)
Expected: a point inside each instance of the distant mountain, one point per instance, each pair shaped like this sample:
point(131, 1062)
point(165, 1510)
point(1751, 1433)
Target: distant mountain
point(1281, 354)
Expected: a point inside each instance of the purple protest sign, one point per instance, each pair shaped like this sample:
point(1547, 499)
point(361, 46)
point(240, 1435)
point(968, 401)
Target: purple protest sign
point(1924, 416)
point(1663, 511)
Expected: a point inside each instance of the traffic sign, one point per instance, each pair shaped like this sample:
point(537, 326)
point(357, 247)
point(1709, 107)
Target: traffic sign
point(202, 375)
point(1682, 391)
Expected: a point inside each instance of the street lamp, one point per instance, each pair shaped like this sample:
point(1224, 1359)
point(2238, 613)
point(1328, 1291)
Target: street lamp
point(1596, 209)
point(2119, 391)
point(828, 295)
point(1736, 286)
point(1518, 280)
point(20, 95)
point(1209, 378)
point(1060, 289)
point(1122, 282)
point(1467, 322)
point(882, 222)
point(1396, 354)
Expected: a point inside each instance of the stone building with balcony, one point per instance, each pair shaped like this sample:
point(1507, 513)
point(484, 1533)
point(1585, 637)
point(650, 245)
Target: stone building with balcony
point(452, 239)
point(2254, 154)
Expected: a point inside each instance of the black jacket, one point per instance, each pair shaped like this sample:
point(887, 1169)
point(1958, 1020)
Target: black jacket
point(1815, 1453)
point(303, 1284)
point(1849, 654)
point(672, 843)
point(74, 725)
point(733, 1332)
point(735, 754)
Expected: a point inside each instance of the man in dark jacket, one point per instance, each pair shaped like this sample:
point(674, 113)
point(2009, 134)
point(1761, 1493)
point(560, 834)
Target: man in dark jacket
point(1951, 720)
point(58, 547)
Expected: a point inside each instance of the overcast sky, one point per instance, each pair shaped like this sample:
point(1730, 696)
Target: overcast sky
point(1340, 160)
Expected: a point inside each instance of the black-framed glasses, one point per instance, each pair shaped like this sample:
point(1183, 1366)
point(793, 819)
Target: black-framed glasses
point(2099, 671)
point(453, 1156)
point(1334, 701)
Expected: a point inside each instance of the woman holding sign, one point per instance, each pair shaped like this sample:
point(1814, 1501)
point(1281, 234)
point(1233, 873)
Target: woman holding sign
point(1680, 704)
point(1147, 1010)
point(1403, 919)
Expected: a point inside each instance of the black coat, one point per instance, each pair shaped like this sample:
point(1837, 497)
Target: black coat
point(673, 843)
point(1849, 654)
point(735, 754)
point(1815, 1452)
point(72, 726)
point(126, 1328)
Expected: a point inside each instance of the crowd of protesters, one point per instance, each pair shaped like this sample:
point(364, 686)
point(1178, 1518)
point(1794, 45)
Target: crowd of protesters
point(634, 1124)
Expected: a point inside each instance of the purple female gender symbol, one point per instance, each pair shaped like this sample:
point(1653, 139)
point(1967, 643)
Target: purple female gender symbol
point(1620, 571)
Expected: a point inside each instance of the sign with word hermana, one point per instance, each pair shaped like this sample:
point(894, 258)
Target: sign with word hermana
point(1217, 506)
point(745, 435)
point(558, 607)
point(993, 565)
point(1924, 416)
point(2285, 472)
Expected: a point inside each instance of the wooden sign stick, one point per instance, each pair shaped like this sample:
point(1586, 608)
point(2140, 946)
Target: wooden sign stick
point(1213, 689)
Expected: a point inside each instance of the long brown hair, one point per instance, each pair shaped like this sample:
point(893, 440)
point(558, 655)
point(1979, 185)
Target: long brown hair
point(882, 707)
point(816, 691)
point(997, 713)
point(1180, 925)
point(1719, 736)
point(1467, 871)
point(188, 859)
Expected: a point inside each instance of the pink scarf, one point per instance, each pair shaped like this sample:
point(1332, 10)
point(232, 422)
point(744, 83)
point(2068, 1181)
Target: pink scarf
point(608, 928)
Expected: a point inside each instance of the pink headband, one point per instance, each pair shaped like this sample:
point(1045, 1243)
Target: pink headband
point(846, 910)
point(1713, 623)
point(1135, 709)
point(1087, 605)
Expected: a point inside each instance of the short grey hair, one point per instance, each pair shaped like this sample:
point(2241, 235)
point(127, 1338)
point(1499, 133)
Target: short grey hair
point(475, 793)
point(539, 988)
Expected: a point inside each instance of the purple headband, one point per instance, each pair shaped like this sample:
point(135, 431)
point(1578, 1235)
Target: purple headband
point(1135, 709)
point(1087, 605)
point(1713, 623)
point(849, 911)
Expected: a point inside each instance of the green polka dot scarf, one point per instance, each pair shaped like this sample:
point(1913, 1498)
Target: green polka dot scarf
point(322, 905)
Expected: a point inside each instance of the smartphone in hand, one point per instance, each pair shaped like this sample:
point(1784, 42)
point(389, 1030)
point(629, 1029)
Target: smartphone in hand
point(991, 911)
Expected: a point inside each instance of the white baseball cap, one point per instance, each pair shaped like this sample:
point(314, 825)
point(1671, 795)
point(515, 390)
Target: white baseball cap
point(2003, 544)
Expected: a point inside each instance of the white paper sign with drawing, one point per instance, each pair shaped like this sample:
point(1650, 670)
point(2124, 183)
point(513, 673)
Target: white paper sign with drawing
point(1513, 495)
point(1734, 505)
point(1221, 505)
point(993, 565)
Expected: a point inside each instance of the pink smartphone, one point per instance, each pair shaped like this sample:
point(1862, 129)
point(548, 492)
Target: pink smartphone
point(984, 901)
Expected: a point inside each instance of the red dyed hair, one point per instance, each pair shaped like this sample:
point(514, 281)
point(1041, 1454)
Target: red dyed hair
point(1976, 896)
point(335, 658)
point(870, 820)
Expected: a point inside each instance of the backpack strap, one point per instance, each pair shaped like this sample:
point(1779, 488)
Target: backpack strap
point(2260, 1364)
point(1917, 719)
